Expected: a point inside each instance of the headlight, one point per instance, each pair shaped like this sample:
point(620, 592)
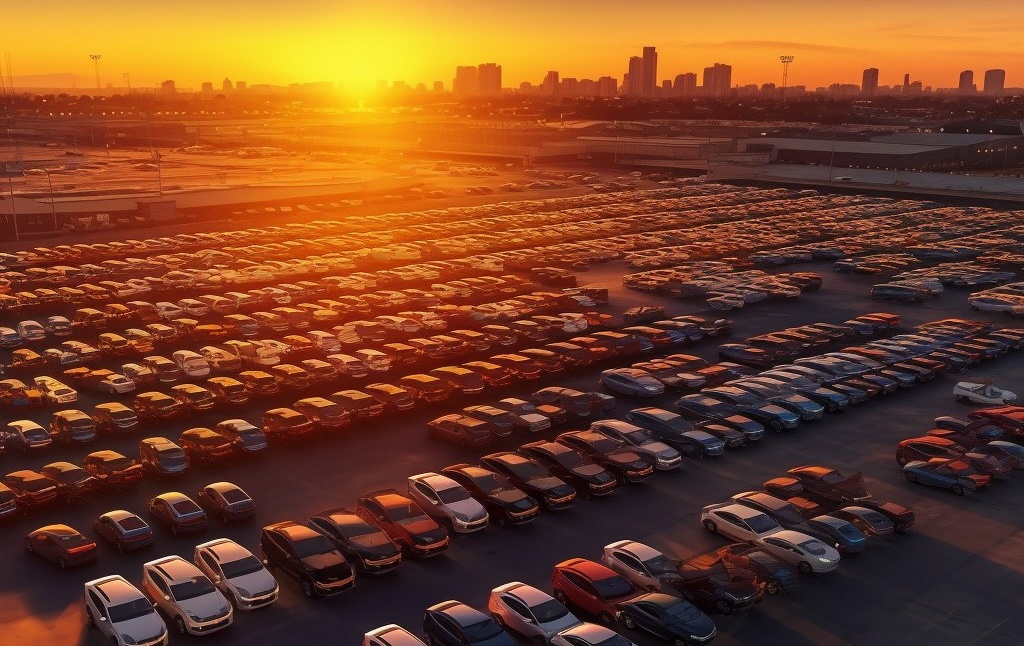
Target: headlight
point(824, 560)
point(128, 639)
point(242, 592)
point(195, 617)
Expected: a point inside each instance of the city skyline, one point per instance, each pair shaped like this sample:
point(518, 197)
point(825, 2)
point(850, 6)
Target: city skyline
point(357, 44)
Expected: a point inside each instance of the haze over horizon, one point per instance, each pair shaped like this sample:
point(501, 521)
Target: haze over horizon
point(357, 43)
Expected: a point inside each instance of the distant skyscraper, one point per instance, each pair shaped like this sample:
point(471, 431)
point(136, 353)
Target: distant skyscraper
point(550, 86)
point(465, 82)
point(966, 85)
point(168, 87)
point(488, 77)
point(607, 86)
point(906, 82)
point(632, 82)
point(207, 87)
point(439, 86)
point(685, 84)
point(869, 82)
point(570, 87)
point(717, 80)
point(650, 72)
point(995, 81)
point(227, 85)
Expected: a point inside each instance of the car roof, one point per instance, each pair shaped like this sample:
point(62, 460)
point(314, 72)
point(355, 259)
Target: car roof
point(639, 550)
point(174, 568)
point(741, 510)
point(793, 537)
point(464, 615)
point(225, 549)
point(115, 589)
point(590, 569)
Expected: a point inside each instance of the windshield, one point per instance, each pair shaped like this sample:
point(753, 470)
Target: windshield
point(484, 630)
point(312, 546)
point(615, 640)
point(172, 458)
point(550, 610)
point(660, 564)
point(490, 483)
point(613, 586)
point(132, 610)
point(684, 611)
point(762, 523)
point(196, 586)
point(186, 507)
point(816, 548)
point(241, 567)
point(352, 527)
point(637, 437)
point(453, 495)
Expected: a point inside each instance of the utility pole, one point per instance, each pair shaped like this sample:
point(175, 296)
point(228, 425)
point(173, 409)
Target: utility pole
point(785, 59)
point(128, 82)
point(14, 211)
point(96, 63)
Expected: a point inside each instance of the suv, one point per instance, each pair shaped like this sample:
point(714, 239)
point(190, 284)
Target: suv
point(122, 613)
point(184, 593)
point(307, 555)
point(162, 457)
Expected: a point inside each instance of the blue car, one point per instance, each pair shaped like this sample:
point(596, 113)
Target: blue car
point(841, 533)
point(452, 623)
point(667, 617)
point(946, 473)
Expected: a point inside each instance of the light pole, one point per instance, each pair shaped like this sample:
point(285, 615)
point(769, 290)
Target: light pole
point(53, 209)
point(14, 211)
point(785, 59)
point(96, 62)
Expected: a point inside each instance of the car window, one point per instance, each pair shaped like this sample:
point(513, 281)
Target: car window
point(518, 606)
point(96, 603)
point(160, 583)
point(631, 562)
point(209, 561)
point(427, 492)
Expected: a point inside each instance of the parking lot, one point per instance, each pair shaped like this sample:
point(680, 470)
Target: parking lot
point(956, 578)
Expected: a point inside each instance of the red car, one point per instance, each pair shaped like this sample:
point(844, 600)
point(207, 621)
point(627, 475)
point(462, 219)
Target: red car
point(591, 587)
point(61, 544)
point(1010, 418)
point(415, 533)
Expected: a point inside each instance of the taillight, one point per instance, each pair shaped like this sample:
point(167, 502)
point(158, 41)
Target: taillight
point(82, 548)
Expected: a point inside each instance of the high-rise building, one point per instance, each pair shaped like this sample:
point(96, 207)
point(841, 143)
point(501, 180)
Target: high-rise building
point(632, 82)
point(488, 77)
point(869, 82)
point(207, 87)
point(906, 82)
point(550, 86)
point(227, 85)
point(465, 82)
point(607, 86)
point(439, 86)
point(685, 84)
point(717, 80)
point(966, 85)
point(168, 88)
point(995, 81)
point(570, 87)
point(650, 72)
point(241, 86)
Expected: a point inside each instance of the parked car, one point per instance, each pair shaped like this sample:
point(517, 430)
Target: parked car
point(122, 614)
point(239, 575)
point(946, 473)
point(808, 554)
point(206, 446)
point(365, 545)
point(532, 478)
point(286, 424)
point(62, 545)
point(529, 612)
point(112, 470)
point(162, 457)
point(72, 481)
point(505, 503)
point(460, 429)
point(183, 592)
point(448, 502)
point(668, 617)
point(452, 623)
point(227, 501)
point(586, 476)
point(308, 556)
point(640, 440)
point(124, 530)
point(178, 513)
point(591, 587)
point(402, 519)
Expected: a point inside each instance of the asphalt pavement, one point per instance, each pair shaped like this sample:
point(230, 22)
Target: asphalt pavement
point(957, 578)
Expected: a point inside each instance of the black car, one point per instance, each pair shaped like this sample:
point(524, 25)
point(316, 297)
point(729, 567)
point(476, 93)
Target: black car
point(776, 575)
point(613, 454)
point(452, 623)
point(673, 429)
point(562, 460)
point(716, 585)
point(748, 355)
point(832, 400)
point(771, 415)
point(806, 408)
point(667, 617)
point(806, 376)
point(530, 476)
point(307, 555)
point(505, 503)
point(361, 543)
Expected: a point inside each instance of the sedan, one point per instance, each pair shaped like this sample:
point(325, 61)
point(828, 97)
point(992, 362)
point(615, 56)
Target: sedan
point(447, 501)
point(529, 612)
point(631, 381)
point(61, 544)
point(504, 502)
point(591, 587)
point(30, 488)
point(947, 473)
point(368, 546)
point(640, 440)
point(404, 522)
point(532, 478)
point(667, 617)
point(239, 575)
point(808, 554)
point(868, 520)
point(737, 521)
point(227, 501)
point(613, 454)
point(452, 623)
point(841, 533)
point(178, 513)
point(124, 530)
point(587, 634)
point(585, 475)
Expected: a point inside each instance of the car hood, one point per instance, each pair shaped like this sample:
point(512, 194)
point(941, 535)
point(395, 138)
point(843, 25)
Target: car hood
point(589, 470)
point(694, 623)
point(144, 628)
point(467, 509)
point(322, 561)
point(254, 583)
point(207, 606)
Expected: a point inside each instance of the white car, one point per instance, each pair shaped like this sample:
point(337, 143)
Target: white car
point(737, 522)
point(56, 392)
point(191, 363)
point(663, 456)
point(391, 635)
point(169, 311)
point(448, 501)
point(968, 392)
point(808, 554)
point(186, 595)
point(123, 614)
point(587, 634)
point(644, 566)
point(237, 573)
point(526, 610)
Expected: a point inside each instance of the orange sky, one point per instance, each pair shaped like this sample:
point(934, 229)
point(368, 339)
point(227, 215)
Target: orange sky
point(356, 43)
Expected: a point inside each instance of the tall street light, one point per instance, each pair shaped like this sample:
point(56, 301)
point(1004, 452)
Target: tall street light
point(53, 208)
point(785, 59)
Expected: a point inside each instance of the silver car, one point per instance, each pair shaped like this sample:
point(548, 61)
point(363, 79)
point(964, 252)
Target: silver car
point(391, 635)
point(186, 595)
point(122, 613)
point(644, 566)
point(236, 573)
point(808, 554)
point(663, 456)
point(447, 501)
point(529, 612)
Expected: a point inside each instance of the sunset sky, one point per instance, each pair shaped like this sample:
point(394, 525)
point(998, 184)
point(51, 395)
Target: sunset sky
point(356, 43)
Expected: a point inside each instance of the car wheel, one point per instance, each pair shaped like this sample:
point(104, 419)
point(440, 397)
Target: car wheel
point(958, 489)
point(181, 625)
point(307, 588)
point(901, 460)
point(628, 622)
point(605, 619)
point(771, 587)
point(62, 562)
point(710, 526)
point(561, 598)
point(723, 607)
point(88, 617)
point(910, 476)
point(805, 568)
